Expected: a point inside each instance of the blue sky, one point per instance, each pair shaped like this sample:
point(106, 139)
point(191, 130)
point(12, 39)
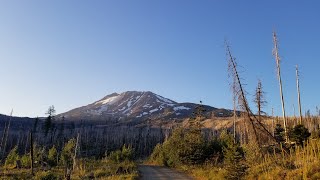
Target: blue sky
point(71, 53)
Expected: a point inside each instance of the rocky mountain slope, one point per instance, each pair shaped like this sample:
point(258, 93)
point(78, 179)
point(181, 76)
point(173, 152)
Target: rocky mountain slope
point(135, 105)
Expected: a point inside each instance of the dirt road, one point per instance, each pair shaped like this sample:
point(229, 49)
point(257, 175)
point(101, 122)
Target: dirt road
point(148, 172)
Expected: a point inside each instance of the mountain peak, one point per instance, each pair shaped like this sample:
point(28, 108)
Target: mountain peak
point(133, 105)
point(111, 98)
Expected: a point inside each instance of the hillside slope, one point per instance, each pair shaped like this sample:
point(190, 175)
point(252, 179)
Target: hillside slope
point(136, 105)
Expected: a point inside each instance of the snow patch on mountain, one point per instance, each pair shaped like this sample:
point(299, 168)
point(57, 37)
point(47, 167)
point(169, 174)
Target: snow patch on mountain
point(137, 99)
point(154, 110)
point(143, 114)
point(146, 106)
point(109, 100)
point(102, 109)
point(178, 108)
point(133, 100)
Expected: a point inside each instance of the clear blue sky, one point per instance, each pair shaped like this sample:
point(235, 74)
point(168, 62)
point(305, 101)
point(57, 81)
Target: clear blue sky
point(71, 53)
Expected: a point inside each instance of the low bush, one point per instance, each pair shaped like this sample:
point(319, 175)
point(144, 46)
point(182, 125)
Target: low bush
point(25, 161)
point(185, 146)
point(125, 154)
point(12, 158)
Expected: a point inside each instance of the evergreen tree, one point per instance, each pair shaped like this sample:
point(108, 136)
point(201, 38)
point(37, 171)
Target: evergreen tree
point(48, 124)
point(279, 133)
point(299, 134)
point(66, 157)
point(233, 159)
point(67, 153)
point(185, 146)
point(53, 156)
point(12, 158)
point(35, 125)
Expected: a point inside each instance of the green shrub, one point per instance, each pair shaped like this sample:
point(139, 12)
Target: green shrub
point(299, 134)
point(25, 161)
point(67, 153)
point(125, 154)
point(193, 150)
point(279, 133)
point(234, 159)
point(253, 153)
point(158, 155)
point(119, 162)
point(53, 156)
point(12, 158)
point(39, 153)
point(185, 146)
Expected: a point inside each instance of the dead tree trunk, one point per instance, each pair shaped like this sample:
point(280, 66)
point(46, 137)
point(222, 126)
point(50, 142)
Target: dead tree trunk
point(234, 109)
point(255, 123)
point(259, 99)
point(75, 153)
point(238, 86)
point(298, 91)
point(31, 152)
point(276, 54)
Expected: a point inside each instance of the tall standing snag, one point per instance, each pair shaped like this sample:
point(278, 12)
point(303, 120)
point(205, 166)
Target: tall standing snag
point(259, 99)
point(276, 55)
point(31, 152)
point(298, 91)
point(234, 92)
point(75, 153)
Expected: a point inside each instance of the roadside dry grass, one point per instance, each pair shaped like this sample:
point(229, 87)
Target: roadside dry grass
point(87, 169)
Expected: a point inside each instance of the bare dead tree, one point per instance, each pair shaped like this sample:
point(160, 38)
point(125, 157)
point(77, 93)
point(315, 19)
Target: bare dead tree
point(242, 101)
point(259, 99)
point(294, 114)
point(75, 153)
point(234, 98)
point(298, 91)
point(317, 116)
point(237, 87)
point(31, 152)
point(276, 54)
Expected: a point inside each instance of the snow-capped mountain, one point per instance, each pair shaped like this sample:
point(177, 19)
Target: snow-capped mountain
point(134, 105)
